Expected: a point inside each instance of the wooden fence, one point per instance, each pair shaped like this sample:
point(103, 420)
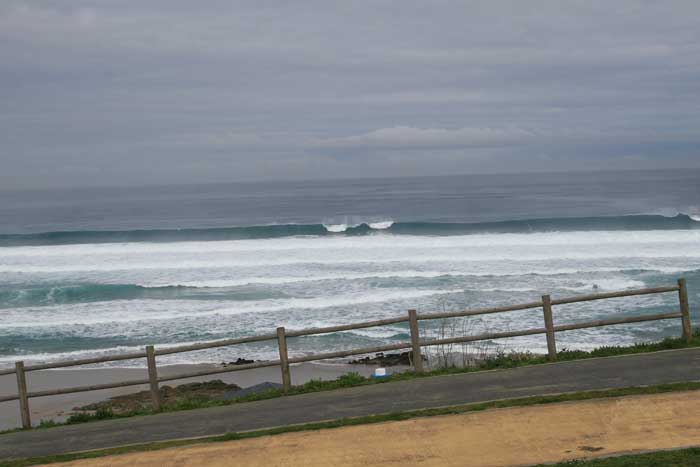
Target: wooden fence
point(412, 318)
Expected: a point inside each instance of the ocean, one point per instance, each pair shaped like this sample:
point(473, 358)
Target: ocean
point(94, 271)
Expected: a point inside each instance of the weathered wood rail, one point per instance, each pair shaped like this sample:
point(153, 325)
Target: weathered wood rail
point(281, 335)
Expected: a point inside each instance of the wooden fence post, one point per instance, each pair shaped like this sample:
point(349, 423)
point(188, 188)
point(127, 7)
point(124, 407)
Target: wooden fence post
point(22, 393)
point(284, 359)
point(153, 377)
point(549, 326)
point(415, 341)
point(685, 310)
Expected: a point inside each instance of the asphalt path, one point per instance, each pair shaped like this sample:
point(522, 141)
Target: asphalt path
point(420, 393)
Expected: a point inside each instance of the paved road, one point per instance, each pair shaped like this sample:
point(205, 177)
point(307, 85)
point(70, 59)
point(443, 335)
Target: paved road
point(613, 372)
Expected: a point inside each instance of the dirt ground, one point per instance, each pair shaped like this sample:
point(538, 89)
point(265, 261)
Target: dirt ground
point(503, 437)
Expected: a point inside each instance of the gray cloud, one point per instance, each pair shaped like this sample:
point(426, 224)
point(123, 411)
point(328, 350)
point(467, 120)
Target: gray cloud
point(157, 92)
point(402, 137)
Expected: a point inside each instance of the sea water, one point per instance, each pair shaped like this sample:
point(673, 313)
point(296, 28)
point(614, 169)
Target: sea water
point(96, 271)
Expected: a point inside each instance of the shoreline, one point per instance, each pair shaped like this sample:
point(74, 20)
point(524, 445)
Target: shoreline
point(59, 407)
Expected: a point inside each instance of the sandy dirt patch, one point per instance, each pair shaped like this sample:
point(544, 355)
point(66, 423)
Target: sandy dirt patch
point(504, 437)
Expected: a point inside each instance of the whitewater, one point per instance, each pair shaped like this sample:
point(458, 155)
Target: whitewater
point(73, 300)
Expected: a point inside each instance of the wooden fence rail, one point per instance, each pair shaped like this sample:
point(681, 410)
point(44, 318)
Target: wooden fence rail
point(415, 344)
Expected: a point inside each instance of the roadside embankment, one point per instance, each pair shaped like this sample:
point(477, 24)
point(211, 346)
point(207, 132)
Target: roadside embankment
point(500, 437)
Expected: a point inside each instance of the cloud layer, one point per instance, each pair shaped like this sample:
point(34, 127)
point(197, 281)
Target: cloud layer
point(408, 138)
point(160, 92)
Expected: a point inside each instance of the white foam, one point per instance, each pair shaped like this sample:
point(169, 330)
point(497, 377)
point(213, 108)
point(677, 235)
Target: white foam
point(380, 249)
point(504, 289)
point(610, 284)
point(409, 274)
point(383, 225)
point(336, 228)
point(132, 311)
point(616, 283)
point(72, 355)
point(224, 283)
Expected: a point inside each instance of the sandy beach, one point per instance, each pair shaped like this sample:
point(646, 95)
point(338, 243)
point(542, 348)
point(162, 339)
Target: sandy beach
point(59, 407)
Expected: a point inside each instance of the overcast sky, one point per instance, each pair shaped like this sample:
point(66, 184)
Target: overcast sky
point(169, 91)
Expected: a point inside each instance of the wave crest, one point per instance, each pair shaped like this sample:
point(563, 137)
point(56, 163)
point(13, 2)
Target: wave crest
point(362, 227)
point(567, 224)
point(336, 228)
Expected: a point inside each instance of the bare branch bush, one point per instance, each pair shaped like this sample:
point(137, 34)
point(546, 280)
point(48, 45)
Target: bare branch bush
point(452, 355)
point(463, 354)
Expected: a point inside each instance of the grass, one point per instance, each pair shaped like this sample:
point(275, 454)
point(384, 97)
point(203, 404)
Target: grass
point(503, 360)
point(394, 416)
point(676, 458)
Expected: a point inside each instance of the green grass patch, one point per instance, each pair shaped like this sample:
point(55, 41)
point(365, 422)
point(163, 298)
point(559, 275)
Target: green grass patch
point(394, 416)
point(676, 458)
point(502, 360)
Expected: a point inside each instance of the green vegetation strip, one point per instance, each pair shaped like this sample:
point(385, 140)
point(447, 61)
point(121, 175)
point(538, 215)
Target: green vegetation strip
point(676, 458)
point(395, 416)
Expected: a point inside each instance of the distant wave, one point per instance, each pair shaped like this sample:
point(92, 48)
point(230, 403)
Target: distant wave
point(567, 224)
point(84, 293)
point(339, 228)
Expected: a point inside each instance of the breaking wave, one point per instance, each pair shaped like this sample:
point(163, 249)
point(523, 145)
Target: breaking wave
point(567, 224)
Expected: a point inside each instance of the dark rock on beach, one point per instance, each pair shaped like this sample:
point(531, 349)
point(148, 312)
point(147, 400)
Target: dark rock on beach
point(382, 359)
point(238, 361)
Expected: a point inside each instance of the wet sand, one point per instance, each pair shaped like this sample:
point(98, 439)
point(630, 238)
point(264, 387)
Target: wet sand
point(501, 437)
point(59, 407)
